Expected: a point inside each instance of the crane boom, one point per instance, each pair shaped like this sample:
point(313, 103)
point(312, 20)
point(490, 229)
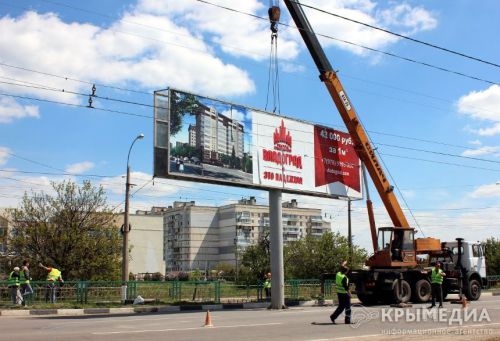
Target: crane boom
point(363, 146)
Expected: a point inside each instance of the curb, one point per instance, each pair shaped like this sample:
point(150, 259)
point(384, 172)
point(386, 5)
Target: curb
point(15, 312)
point(144, 309)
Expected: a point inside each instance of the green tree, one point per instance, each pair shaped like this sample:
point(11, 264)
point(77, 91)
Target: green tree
point(311, 256)
point(71, 229)
point(255, 261)
point(248, 165)
point(182, 104)
point(492, 250)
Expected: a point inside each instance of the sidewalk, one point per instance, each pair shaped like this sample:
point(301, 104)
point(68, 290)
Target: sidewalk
point(146, 309)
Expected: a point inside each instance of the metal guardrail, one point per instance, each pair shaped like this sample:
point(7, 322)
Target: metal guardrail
point(95, 292)
point(493, 281)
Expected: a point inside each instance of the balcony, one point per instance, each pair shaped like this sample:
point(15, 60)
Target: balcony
point(290, 217)
point(316, 219)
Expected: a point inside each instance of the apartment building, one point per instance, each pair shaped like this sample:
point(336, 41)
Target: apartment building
point(5, 258)
point(145, 240)
point(217, 134)
point(200, 237)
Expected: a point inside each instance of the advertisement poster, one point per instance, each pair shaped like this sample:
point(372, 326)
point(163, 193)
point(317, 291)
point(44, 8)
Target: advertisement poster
point(207, 140)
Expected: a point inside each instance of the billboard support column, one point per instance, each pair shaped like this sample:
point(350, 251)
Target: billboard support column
point(276, 239)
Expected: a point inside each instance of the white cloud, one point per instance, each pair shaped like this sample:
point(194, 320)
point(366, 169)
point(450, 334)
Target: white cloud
point(413, 18)
point(15, 189)
point(78, 168)
point(10, 110)
point(483, 106)
point(486, 191)
point(143, 181)
point(485, 150)
point(236, 34)
point(4, 155)
point(120, 54)
point(491, 131)
point(234, 114)
point(157, 44)
point(475, 143)
point(292, 67)
point(404, 19)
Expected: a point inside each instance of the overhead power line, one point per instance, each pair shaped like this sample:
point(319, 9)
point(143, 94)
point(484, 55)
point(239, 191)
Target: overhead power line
point(74, 79)
point(438, 153)
point(75, 105)
point(458, 73)
point(441, 162)
point(461, 54)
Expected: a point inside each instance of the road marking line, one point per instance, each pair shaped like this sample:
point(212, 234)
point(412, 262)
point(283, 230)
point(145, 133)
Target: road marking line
point(123, 319)
point(426, 330)
point(185, 329)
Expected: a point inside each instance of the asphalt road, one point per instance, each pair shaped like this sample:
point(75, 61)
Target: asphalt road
point(291, 324)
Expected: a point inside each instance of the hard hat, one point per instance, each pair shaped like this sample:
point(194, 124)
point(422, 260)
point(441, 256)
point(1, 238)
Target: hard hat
point(16, 268)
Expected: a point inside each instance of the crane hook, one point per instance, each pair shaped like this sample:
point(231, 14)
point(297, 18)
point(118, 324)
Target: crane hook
point(274, 17)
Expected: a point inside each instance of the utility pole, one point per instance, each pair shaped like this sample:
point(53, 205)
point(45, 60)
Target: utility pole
point(126, 225)
point(277, 275)
point(349, 230)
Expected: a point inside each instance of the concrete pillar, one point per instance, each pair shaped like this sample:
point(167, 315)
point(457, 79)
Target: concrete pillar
point(276, 239)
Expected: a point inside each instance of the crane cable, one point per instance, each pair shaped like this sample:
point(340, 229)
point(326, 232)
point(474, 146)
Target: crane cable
point(273, 73)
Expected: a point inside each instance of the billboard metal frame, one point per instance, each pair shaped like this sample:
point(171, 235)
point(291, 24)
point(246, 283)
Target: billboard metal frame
point(162, 153)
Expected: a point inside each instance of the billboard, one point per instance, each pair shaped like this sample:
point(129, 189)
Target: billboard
point(207, 140)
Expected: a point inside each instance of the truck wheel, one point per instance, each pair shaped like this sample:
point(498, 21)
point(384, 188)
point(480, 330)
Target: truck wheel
point(395, 296)
point(473, 291)
point(422, 291)
point(367, 299)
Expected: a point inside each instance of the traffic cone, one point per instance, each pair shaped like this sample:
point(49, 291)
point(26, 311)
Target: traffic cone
point(208, 320)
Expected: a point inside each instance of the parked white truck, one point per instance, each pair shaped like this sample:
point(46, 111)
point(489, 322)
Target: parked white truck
point(465, 259)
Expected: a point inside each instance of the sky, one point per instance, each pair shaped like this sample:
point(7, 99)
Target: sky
point(434, 119)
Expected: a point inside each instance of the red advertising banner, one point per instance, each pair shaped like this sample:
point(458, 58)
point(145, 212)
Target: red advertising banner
point(335, 158)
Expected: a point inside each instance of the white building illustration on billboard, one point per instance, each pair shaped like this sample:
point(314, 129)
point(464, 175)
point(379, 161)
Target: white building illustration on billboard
point(217, 134)
point(192, 135)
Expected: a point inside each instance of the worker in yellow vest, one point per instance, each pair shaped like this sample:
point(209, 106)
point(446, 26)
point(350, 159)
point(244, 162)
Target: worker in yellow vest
point(13, 284)
point(53, 277)
point(24, 280)
point(343, 294)
point(437, 276)
point(267, 286)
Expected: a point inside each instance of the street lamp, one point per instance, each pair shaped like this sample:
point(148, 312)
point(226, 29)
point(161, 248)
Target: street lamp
point(126, 223)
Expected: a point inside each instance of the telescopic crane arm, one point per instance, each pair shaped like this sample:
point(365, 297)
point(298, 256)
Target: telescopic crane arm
point(362, 143)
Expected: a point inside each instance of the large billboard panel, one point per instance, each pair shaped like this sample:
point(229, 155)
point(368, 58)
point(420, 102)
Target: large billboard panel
point(203, 139)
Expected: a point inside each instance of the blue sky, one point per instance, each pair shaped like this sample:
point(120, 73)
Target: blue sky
point(416, 115)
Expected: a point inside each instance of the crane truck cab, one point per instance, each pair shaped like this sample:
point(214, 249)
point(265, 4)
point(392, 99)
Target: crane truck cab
point(465, 265)
point(395, 248)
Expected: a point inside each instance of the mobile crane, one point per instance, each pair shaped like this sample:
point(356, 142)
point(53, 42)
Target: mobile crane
point(395, 273)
